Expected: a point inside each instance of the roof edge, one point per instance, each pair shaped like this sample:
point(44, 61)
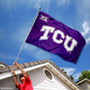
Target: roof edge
point(86, 79)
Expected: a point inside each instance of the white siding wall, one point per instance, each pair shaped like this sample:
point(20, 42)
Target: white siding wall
point(85, 86)
point(40, 82)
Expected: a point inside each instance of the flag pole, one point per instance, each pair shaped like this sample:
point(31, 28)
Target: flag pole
point(27, 36)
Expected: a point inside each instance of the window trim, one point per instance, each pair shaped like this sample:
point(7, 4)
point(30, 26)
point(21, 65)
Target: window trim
point(51, 80)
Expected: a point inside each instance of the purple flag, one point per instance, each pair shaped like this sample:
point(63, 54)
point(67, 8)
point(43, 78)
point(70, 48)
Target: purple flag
point(55, 37)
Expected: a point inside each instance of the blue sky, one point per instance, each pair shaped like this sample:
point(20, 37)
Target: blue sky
point(16, 18)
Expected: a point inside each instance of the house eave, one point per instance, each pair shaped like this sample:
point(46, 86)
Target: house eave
point(83, 81)
point(9, 74)
point(62, 77)
point(49, 66)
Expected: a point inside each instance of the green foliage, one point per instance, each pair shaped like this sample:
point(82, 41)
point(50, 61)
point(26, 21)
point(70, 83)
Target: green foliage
point(84, 74)
point(71, 77)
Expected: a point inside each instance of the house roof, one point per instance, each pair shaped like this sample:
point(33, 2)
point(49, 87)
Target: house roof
point(83, 80)
point(59, 72)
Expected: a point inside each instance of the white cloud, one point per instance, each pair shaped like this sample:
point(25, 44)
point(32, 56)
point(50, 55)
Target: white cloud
point(21, 33)
point(69, 71)
point(32, 3)
point(83, 8)
point(8, 57)
point(63, 2)
point(76, 76)
point(30, 48)
point(86, 28)
point(83, 14)
point(42, 55)
point(28, 3)
point(88, 40)
point(86, 31)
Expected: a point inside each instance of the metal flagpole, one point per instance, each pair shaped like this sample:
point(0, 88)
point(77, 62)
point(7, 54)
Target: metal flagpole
point(27, 36)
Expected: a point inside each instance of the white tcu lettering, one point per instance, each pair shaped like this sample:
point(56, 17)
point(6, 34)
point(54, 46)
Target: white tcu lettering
point(73, 44)
point(55, 36)
point(48, 29)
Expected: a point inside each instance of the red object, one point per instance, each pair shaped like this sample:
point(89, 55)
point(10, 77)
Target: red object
point(27, 85)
